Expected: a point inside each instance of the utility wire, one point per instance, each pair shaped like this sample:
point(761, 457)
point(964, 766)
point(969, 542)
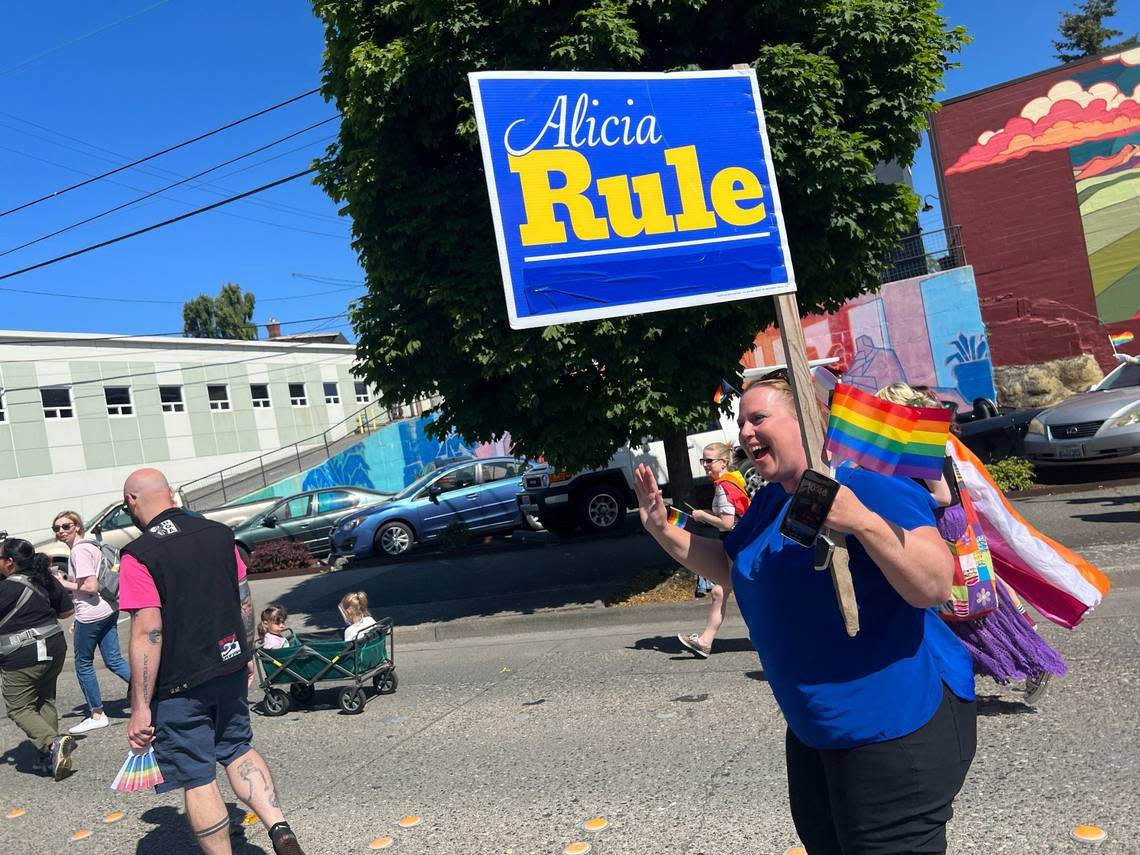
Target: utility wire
point(154, 193)
point(78, 39)
point(100, 299)
point(159, 225)
point(166, 150)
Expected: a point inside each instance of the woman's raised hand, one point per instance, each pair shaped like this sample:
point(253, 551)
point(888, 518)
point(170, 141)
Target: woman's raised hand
point(650, 503)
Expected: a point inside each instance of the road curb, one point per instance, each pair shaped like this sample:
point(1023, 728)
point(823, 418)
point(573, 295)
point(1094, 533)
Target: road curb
point(686, 614)
point(1061, 489)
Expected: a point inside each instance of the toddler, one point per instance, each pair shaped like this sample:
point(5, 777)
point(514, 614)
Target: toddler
point(354, 609)
point(271, 628)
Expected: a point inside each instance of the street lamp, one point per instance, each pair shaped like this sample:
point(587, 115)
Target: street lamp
point(927, 207)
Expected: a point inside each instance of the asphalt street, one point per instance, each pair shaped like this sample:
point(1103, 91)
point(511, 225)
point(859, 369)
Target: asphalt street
point(539, 710)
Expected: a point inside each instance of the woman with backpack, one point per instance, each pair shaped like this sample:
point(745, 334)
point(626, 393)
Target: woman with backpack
point(96, 618)
point(32, 650)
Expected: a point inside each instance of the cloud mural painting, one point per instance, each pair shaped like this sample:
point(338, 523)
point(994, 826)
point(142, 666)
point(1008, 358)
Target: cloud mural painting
point(1094, 116)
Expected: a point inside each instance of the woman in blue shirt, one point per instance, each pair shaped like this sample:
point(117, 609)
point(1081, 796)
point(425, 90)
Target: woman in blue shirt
point(881, 727)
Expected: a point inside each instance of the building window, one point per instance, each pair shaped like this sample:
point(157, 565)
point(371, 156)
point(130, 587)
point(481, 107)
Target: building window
point(171, 398)
point(332, 393)
point(3, 412)
point(297, 395)
point(361, 391)
point(57, 403)
point(260, 394)
point(118, 400)
point(219, 397)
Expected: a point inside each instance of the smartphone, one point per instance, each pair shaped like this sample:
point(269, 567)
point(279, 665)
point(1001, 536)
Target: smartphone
point(809, 508)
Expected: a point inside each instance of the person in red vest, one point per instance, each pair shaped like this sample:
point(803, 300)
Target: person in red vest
point(730, 501)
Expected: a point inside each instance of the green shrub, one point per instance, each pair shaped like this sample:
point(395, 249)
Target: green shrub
point(280, 555)
point(455, 537)
point(1012, 473)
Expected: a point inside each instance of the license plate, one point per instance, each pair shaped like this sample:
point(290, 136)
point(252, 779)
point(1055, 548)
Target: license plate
point(1071, 452)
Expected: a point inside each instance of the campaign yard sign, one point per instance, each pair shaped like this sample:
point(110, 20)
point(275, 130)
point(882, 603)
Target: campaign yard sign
point(620, 193)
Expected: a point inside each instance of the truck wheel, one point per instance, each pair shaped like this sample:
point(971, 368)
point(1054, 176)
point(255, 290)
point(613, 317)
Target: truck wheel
point(393, 539)
point(752, 479)
point(601, 508)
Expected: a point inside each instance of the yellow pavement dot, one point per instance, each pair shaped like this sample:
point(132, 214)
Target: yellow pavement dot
point(409, 821)
point(250, 818)
point(595, 824)
point(381, 842)
point(578, 847)
point(1089, 834)
point(81, 835)
point(114, 816)
point(15, 813)
point(796, 850)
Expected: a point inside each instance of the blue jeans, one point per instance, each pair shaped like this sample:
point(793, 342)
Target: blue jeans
point(104, 635)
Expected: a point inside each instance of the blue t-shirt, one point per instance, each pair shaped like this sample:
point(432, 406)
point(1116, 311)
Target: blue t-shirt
point(836, 691)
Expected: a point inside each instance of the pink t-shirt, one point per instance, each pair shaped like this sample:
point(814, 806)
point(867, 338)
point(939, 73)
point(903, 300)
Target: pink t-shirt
point(273, 641)
point(82, 563)
point(136, 585)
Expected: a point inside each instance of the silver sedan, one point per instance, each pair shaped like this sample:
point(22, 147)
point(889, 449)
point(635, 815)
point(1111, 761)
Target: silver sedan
point(1101, 425)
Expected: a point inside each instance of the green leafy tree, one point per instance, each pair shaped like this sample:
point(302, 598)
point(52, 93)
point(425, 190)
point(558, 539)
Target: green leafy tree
point(1083, 32)
point(846, 84)
point(229, 315)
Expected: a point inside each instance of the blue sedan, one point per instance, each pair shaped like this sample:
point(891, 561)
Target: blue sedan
point(477, 494)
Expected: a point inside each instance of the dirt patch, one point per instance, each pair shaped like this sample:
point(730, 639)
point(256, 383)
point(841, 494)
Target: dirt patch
point(666, 583)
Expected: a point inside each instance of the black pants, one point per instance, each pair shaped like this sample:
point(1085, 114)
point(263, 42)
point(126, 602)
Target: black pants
point(889, 798)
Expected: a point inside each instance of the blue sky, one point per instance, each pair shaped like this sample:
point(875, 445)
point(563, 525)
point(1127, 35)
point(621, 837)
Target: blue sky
point(170, 69)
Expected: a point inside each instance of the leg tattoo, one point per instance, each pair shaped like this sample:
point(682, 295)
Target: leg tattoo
point(224, 822)
point(246, 770)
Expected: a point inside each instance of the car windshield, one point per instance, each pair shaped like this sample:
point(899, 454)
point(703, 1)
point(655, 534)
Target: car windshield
point(90, 524)
point(416, 485)
point(1121, 377)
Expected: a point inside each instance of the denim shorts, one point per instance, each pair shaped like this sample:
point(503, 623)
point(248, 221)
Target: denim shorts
point(199, 728)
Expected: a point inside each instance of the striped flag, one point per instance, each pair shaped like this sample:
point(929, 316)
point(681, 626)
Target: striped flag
point(722, 391)
point(1121, 338)
point(887, 438)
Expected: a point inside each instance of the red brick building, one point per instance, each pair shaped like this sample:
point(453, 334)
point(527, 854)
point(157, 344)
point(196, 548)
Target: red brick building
point(1042, 174)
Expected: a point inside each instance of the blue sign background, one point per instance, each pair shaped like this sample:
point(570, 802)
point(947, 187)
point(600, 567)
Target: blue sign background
point(717, 112)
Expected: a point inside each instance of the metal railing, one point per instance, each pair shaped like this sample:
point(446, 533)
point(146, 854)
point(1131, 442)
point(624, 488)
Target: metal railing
point(257, 473)
point(925, 253)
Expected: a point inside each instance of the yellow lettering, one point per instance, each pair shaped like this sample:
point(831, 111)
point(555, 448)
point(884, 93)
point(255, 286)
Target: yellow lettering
point(732, 185)
point(619, 205)
point(539, 198)
point(694, 212)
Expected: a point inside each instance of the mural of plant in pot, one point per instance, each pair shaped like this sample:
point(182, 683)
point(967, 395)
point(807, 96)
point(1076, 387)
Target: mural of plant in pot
point(971, 366)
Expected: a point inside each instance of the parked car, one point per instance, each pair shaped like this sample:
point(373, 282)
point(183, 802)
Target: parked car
point(479, 494)
point(308, 517)
point(114, 525)
point(1101, 425)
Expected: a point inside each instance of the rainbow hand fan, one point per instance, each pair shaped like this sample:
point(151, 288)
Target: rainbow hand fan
point(139, 772)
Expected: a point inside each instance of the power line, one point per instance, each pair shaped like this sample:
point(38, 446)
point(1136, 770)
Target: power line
point(166, 150)
point(100, 299)
point(154, 226)
point(83, 37)
point(154, 193)
point(284, 208)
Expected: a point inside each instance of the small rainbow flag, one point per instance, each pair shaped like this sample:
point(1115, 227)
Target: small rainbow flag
point(722, 391)
point(887, 438)
point(139, 772)
point(1119, 338)
point(677, 518)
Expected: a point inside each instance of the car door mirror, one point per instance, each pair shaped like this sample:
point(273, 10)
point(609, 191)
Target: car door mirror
point(270, 521)
point(434, 492)
point(97, 530)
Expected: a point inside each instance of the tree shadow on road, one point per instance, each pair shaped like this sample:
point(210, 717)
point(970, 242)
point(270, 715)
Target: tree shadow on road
point(171, 833)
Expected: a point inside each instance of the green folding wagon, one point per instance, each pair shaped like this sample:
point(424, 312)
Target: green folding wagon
point(291, 674)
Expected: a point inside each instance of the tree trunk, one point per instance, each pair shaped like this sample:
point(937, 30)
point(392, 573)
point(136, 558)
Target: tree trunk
point(681, 487)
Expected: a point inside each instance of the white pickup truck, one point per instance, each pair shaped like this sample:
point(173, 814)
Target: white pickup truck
point(114, 525)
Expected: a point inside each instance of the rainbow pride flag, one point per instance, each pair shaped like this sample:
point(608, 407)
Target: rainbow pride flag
point(677, 518)
point(887, 438)
point(1121, 338)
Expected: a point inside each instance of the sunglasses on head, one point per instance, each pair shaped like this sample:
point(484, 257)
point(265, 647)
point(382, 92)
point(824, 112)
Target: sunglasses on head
point(778, 374)
point(63, 527)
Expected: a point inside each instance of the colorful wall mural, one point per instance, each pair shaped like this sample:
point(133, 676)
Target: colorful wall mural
point(925, 331)
point(387, 460)
point(1094, 114)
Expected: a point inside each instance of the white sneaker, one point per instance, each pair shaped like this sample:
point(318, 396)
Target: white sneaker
point(89, 724)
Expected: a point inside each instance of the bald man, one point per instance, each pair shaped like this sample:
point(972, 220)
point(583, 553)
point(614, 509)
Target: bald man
point(184, 585)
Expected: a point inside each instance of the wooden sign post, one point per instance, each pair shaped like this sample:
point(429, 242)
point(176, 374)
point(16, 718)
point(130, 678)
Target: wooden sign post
point(811, 431)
